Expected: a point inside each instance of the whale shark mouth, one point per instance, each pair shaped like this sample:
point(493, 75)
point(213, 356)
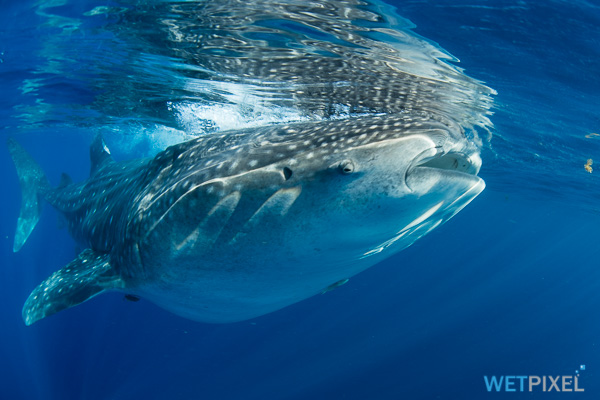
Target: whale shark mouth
point(459, 162)
point(454, 166)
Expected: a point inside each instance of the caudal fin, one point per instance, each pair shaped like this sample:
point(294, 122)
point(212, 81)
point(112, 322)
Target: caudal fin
point(89, 274)
point(33, 186)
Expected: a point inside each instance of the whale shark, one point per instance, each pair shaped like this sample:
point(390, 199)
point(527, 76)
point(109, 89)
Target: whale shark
point(234, 225)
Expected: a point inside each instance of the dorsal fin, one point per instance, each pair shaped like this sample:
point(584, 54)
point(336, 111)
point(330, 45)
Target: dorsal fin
point(99, 154)
point(65, 180)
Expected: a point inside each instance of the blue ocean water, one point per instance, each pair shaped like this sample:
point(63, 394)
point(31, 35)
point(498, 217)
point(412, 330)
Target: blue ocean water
point(510, 286)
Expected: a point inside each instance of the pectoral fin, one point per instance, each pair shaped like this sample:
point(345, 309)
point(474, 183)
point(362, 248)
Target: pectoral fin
point(88, 275)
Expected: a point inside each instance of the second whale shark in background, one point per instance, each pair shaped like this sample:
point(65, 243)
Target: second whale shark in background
point(234, 225)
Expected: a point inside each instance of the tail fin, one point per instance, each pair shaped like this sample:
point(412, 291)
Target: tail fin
point(33, 186)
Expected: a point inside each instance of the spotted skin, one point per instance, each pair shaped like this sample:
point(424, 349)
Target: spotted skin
point(234, 225)
point(86, 276)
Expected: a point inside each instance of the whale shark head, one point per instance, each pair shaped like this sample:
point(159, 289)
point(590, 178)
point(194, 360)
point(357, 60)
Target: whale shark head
point(376, 183)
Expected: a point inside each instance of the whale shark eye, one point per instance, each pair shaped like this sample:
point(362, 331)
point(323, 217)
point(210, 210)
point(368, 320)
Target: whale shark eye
point(347, 167)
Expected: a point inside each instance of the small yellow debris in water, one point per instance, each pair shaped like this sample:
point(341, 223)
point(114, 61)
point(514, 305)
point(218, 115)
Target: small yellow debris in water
point(588, 166)
point(591, 135)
